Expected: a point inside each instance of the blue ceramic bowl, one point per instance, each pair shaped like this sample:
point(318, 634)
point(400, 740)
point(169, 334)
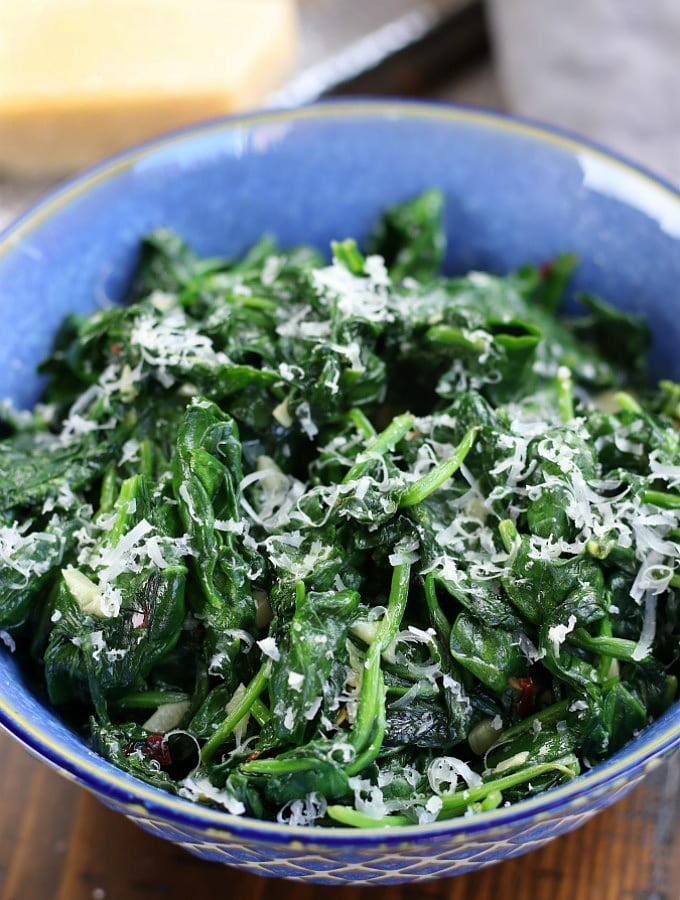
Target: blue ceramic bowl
point(515, 193)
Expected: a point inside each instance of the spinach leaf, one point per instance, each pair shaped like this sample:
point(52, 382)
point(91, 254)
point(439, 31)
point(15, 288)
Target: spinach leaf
point(347, 540)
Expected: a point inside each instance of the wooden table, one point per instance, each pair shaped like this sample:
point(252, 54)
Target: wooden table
point(58, 843)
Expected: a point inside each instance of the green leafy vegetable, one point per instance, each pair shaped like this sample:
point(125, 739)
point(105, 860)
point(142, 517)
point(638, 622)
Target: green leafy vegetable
point(347, 543)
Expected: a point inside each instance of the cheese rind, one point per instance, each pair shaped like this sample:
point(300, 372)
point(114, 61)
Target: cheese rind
point(80, 79)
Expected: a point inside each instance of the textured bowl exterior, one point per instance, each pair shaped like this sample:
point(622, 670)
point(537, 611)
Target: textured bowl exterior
point(516, 193)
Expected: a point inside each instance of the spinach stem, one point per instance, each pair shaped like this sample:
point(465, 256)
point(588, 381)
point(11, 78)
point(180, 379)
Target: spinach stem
point(662, 498)
point(437, 617)
point(509, 534)
point(627, 402)
point(387, 440)
point(454, 337)
point(260, 712)
point(372, 685)
point(488, 795)
point(565, 394)
point(347, 253)
point(605, 659)
point(128, 493)
point(616, 648)
point(368, 756)
point(107, 493)
point(422, 690)
point(671, 407)
point(457, 803)
point(252, 302)
point(146, 458)
point(491, 801)
point(362, 423)
point(150, 699)
point(346, 815)
point(254, 689)
point(440, 474)
point(278, 766)
point(550, 714)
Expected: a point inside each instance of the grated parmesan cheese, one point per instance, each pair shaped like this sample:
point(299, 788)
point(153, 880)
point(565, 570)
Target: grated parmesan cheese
point(444, 771)
point(295, 681)
point(644, 644)
point(557, 634)
point(304, 811)
point(201, 789)
point(268, 647)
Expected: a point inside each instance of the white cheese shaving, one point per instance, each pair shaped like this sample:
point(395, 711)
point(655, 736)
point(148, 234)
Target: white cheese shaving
point(644, 644)
point(457, 692)
point(295, 681)
point(558, 633)
point(98, 644)
point(368, 798)
point(307, 424)
point(528, 648)
point(428, 814)
point(405, 552)
point(313, 708)
point(130, 452)
point(407, 698)
point(268, 647)
point(290, 373)
point(171, 342)
point(578, 706)
point(664, 471)
point(110, 562)
point(201, 789)
point(356, 296)
point(271, 270)
point(444, 771)
point(303, 812)
point(21, 551)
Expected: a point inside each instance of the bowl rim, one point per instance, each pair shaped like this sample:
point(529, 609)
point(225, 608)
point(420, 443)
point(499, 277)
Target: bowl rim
point(110, 783)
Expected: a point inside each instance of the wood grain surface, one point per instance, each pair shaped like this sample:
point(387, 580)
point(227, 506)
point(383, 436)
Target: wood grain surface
point(58, 843)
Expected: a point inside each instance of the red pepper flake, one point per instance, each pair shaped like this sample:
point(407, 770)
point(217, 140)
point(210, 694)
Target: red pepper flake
point(528, 690)
point(253, 755)
point(116, 348)
point(545, 271)
point(156, 747)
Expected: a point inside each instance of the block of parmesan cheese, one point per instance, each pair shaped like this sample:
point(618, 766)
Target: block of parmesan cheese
point(81, 79)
